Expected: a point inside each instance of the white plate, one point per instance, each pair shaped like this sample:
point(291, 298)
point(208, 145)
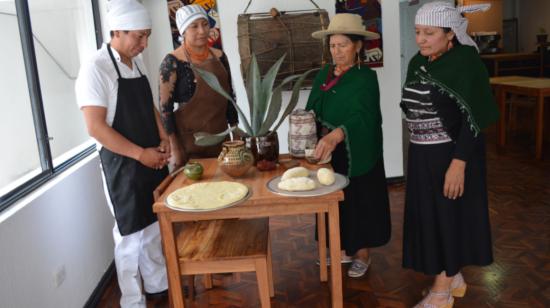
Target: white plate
point(340, 182)
point(248, 194)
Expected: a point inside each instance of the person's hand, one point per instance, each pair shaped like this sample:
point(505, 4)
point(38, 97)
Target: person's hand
point(152, 158)
point(328, 143)
point(164, 146)
point(454, 179)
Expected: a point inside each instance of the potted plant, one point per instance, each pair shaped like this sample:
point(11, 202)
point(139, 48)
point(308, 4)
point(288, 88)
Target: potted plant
point(265, 104)
point(542, 36)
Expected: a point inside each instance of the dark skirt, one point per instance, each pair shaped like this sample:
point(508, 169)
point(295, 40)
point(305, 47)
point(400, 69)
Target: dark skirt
point(440, 234)
point(365, 212)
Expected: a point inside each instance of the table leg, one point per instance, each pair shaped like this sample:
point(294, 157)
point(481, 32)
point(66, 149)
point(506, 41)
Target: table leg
point(322, 242)
point(540, 126)
point(172, 264)
point(335, 262)
point(501, 130)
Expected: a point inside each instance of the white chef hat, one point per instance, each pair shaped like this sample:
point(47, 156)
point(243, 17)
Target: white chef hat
point(185, 15)
point(446, 15)
point(127, 15)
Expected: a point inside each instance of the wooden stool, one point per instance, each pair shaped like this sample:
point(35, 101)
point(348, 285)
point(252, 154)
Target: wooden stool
point(227, 246)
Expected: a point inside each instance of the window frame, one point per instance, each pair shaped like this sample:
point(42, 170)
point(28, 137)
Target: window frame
point(37, 108)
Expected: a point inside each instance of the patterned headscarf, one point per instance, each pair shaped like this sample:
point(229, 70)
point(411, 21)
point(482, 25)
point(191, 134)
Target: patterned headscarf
point(446, 15)
point(185, 15)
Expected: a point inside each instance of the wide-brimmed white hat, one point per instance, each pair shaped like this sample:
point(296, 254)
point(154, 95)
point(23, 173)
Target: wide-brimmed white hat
point(346, 23)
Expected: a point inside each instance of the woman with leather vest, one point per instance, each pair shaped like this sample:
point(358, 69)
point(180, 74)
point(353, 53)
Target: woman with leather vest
point(188, 105)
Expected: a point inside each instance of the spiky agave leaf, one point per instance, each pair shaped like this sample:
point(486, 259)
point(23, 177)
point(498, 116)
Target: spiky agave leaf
point(213, 82)
point(275, 105)
point(254, 92)
point(266, 95)
point(207, 139)
point(293, 98)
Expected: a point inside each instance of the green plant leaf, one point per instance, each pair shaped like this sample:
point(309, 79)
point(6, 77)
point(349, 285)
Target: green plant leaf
point(275, 105)
point(267, 91)
point(293, 98)
point(207, 139)
point(254, 93)
point(240, 132)
point(213, 82)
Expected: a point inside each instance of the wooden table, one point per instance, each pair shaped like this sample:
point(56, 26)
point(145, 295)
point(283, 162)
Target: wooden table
point(528, 86)
point(524, 61)
point(262, 203)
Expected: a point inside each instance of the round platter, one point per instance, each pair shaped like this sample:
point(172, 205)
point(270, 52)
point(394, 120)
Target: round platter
point(339, 183)
point(248, 194)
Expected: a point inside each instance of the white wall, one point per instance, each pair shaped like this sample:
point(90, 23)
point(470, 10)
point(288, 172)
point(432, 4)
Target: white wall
point(388, 76)
point(532, 15)
point(65, 223)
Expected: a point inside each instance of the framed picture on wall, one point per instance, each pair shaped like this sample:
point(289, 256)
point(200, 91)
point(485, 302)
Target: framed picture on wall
point(371, 12)
point(211, 8)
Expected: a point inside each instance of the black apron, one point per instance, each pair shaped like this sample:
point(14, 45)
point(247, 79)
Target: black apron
point(130, 183)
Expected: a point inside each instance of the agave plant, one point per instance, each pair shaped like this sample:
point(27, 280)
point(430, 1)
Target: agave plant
point(264, 102)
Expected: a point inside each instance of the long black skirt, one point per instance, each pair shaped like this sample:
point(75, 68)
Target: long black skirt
point(365, 212)
point(440, 234)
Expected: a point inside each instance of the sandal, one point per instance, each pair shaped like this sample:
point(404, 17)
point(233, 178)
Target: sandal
point(458, 286)
point(425, 302)
point(457, 289)
point(358, 268)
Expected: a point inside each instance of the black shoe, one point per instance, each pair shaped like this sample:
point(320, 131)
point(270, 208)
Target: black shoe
point(164, 294)
point(156, 296)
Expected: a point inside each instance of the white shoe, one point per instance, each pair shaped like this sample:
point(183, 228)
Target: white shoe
point(358, 268)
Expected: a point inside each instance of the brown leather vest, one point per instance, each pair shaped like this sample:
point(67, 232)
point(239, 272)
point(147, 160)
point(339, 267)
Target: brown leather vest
point(204, 112)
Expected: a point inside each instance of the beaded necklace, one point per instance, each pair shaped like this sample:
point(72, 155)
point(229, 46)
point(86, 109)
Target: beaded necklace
point(197, 57)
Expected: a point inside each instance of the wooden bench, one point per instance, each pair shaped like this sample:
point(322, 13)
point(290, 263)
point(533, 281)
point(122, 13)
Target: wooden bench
point(227, 246)
point(223, 246)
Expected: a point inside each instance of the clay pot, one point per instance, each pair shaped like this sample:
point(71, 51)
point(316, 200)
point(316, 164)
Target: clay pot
point(265, 150)
point(235, 159)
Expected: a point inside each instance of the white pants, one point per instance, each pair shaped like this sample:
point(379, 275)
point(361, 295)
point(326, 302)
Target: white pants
point(138, 255)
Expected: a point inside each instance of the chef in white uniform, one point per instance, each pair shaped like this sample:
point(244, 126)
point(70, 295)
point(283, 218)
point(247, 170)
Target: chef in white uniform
point(115, 97)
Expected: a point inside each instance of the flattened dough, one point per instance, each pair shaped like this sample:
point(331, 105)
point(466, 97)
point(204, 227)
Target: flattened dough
point(297, 184)
point(207, 195)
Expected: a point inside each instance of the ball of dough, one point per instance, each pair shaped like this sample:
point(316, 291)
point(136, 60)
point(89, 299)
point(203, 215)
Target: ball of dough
point(325, 176)
point(295, 173)
point(297, 184)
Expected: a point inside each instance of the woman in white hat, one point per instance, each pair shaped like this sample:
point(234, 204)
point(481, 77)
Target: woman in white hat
point(447, 102)
point(346, 101)
point(188, 105)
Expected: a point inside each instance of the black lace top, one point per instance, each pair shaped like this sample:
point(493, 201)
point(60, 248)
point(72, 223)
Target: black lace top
point(177, 86)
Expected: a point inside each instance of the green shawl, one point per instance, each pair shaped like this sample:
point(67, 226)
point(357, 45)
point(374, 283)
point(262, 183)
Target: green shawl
point(461, 75)
point(353, 104)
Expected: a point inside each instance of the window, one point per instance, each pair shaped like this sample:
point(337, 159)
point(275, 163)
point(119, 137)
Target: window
point(19, 158)
point(41, 128)
point(63, 35)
